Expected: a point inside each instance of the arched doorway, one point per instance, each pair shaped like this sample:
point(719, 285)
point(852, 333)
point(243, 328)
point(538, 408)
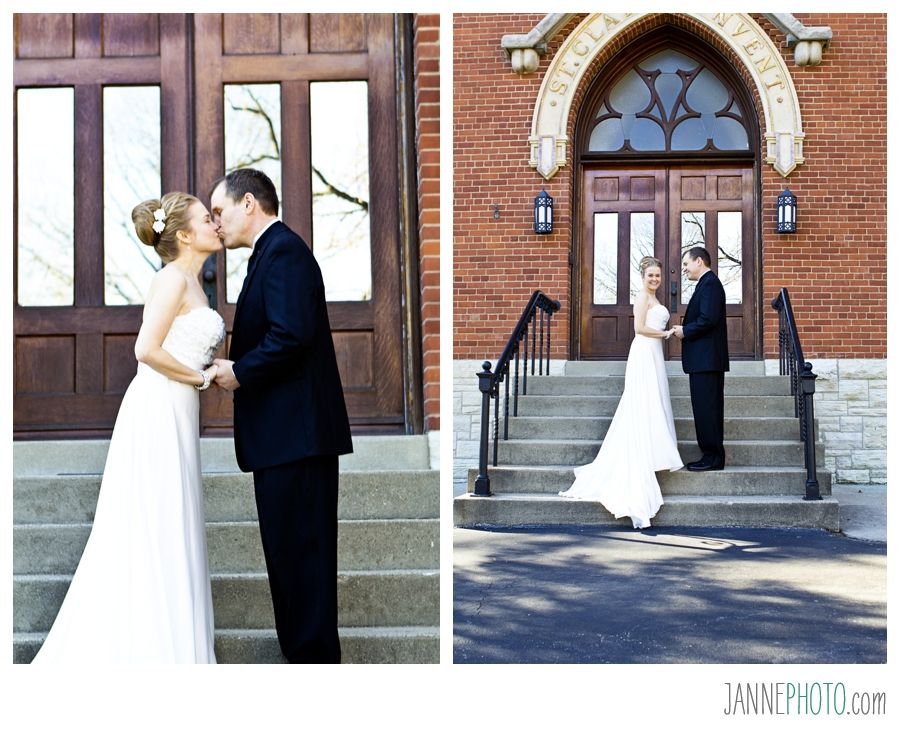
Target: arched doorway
point(667, 143)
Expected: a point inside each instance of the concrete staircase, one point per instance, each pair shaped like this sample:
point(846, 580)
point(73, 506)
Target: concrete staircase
point(388, 547)
point(562, 422)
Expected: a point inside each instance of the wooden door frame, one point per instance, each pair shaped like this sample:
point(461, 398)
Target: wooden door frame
point(414, 396)
point(577, 244)
point(399, 270)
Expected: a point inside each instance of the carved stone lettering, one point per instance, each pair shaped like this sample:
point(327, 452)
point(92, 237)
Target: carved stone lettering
point(589, 32)
point(766, 64)
point(565, 69)
point(722, 18)
point(610, 21)
point(558, 86)
point(753, 46)
point(581, 48)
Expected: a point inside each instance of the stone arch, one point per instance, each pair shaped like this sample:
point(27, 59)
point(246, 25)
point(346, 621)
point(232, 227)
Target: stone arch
point(746, 41)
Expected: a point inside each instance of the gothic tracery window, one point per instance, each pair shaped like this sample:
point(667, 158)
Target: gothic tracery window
point(668, 102)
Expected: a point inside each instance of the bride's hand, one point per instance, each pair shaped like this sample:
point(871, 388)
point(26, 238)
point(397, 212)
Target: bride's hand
point(212, 371)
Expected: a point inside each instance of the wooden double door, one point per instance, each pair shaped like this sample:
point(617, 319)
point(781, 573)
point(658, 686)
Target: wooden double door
point(73, 347)
point(662, 211)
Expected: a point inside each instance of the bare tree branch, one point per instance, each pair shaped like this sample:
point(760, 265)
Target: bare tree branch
point(259, 111)
point(340, 193)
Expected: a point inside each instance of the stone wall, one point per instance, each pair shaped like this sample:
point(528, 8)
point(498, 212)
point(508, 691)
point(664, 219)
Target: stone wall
point(851, 411)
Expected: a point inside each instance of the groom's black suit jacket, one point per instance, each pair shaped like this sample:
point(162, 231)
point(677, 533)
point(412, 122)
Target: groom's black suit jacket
point(705, 344)
point(290, 403)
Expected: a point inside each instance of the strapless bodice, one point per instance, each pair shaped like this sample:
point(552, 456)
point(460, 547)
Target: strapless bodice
point(657, 317)
point(194, 337)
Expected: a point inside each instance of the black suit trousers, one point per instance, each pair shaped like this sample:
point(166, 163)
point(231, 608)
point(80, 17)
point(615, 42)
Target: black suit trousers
point(708, 403)
point(297, 504)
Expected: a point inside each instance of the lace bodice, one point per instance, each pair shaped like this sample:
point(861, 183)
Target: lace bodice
point(195, 337)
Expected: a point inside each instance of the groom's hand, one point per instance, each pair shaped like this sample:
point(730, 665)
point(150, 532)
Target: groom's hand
point(225, 376)
point(679, 332)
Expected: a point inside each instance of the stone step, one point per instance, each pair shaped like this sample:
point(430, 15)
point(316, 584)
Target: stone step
point(358, 645)
point(735, 480)
point(600, 405)
point(756, 511)
point(242, 601)
point(579, 452)
point(592, 428)
point(411, 494)
point(370, 453)
point(678, 385)
point(585, 368)
point(236, 546)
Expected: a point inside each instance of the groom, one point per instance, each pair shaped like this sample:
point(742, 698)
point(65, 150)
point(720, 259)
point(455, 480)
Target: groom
point(704, 356)
point(290, 422)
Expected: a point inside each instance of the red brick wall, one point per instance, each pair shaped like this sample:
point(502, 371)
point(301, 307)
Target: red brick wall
point(427, 90)
point(498, 263)
point(841, 191)
point(836, 265)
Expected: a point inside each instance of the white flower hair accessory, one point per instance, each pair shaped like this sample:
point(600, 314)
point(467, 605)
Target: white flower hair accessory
point(159, 216)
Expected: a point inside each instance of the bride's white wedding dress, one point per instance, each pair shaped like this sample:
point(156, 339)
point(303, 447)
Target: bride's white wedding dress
point(141, 593)
point(641, 438)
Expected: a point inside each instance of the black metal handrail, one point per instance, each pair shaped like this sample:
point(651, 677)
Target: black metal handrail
point(803, 386)
point(541, 307)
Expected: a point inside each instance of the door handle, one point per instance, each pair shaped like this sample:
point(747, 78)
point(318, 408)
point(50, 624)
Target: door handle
point(673, 297)
point(209, 280)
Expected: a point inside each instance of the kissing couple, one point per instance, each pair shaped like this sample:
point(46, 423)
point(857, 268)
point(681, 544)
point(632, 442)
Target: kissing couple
point(141, 593)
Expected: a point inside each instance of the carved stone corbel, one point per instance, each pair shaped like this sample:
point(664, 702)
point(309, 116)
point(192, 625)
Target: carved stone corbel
point(525, 50)
point(807, 42)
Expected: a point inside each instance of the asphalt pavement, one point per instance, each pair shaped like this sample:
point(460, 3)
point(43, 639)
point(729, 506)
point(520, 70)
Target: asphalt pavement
point(588, 594)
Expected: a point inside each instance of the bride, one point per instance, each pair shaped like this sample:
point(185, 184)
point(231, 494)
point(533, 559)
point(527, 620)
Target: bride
point(141, 593)
point(641, 438)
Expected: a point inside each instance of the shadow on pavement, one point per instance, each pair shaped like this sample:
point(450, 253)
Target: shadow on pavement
point(671, 595)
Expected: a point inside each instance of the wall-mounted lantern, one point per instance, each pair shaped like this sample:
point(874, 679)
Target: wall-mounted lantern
point(787, 212)
point(543, 213)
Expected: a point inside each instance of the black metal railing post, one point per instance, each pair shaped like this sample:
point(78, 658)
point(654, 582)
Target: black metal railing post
point(808, 381)
point(541, 348)
point(516, 385)
point(803, 387)
point(533, 339)
point(495, 393)
point(485, 385)
point(525, 362)
point(506, 403)
point(549, 319)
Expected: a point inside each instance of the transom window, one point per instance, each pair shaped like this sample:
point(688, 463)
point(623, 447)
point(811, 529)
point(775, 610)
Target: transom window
point(668, 102)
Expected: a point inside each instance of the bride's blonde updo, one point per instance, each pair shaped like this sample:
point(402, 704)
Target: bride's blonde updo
point(649, 262)
point(175, 216)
